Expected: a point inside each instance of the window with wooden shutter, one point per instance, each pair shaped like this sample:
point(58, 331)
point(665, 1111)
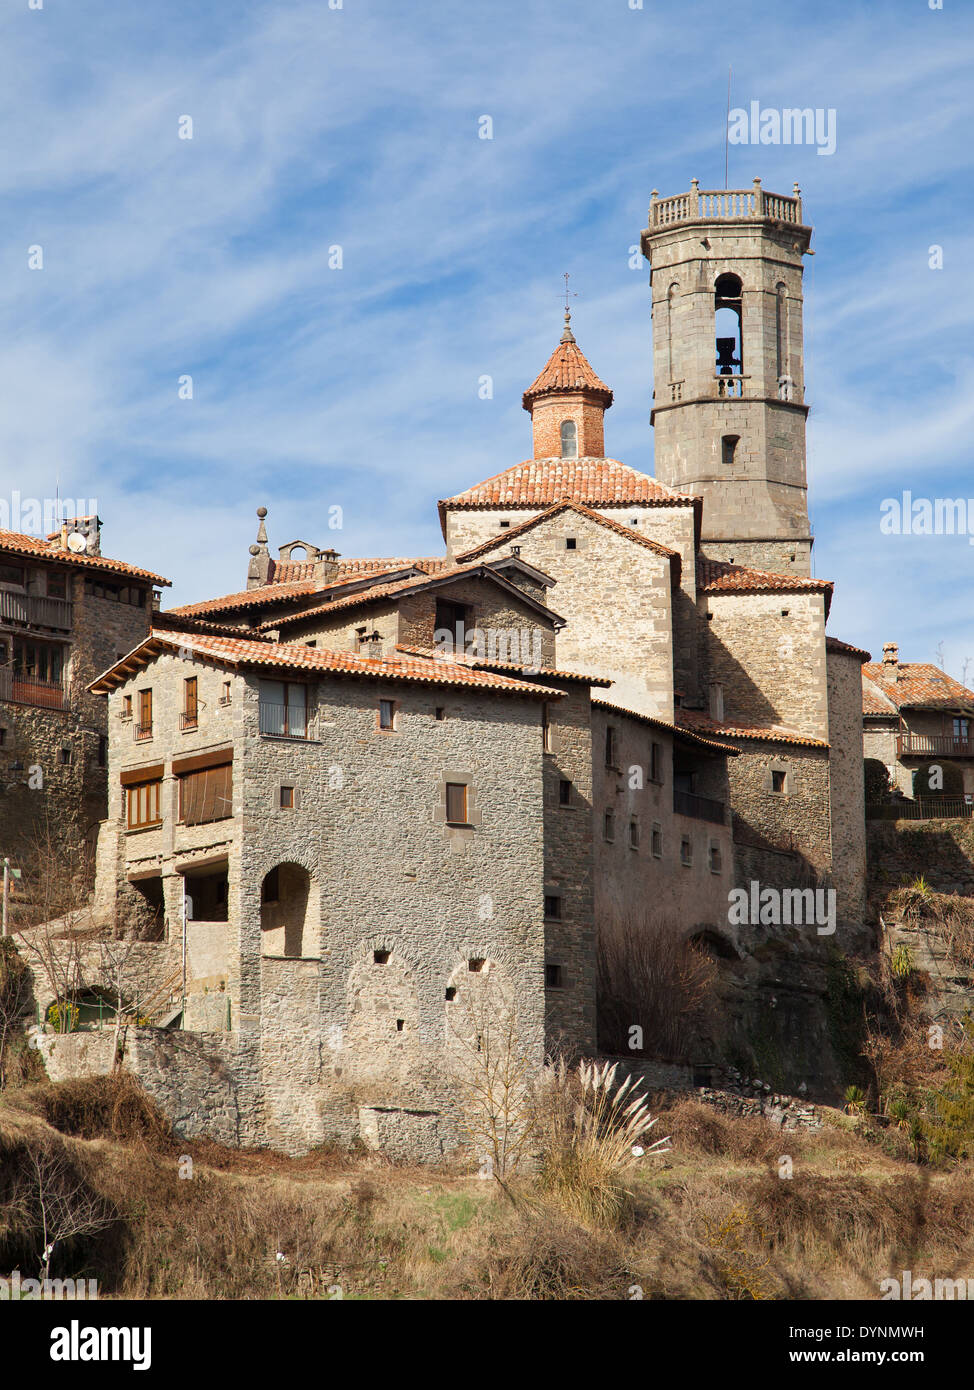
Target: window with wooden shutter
point(456, 803)
point(144, 727)
point(190, 717)
point(206, 795)
point(144, 804)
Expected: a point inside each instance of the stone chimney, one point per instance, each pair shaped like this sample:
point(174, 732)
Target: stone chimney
point(326, 566)
point(89, 527)
point(891, 661)
point(260, 556)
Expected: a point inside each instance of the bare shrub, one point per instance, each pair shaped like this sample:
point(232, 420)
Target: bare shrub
point(651, 976)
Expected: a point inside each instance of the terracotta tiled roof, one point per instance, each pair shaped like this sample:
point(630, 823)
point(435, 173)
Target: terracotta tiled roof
point(875, 702)
point(832, 644)
point(504, 538)
point(918, 685)
point(429, 564)
point(276, 593)
point(292, 571)
point(689, 735)
point(14, 543)
point(567, 369)
point(248, 598)
point(375, 592)
point(770, 733)
point(595, 482)
point(234, 651)
point(507, 666)
point(719, 577)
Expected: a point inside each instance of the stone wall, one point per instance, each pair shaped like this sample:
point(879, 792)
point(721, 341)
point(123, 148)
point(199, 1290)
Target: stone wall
point(768, 653)
point(846, 791)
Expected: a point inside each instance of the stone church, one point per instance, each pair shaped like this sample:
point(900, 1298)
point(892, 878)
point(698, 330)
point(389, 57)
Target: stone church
point(358, 802)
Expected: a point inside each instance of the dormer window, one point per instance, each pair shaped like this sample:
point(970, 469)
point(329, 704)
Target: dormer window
point(569, 439)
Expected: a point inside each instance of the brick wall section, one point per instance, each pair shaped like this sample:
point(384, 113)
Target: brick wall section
point(772, 668)
point(546, 419)
point(847, 800)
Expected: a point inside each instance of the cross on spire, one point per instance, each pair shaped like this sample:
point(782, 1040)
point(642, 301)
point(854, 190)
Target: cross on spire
point(567, 336)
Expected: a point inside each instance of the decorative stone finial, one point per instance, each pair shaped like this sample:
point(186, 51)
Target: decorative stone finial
point(567, 334)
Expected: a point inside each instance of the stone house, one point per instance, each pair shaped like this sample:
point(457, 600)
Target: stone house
point(389, 786)
point(914, 715)
point(66, 611)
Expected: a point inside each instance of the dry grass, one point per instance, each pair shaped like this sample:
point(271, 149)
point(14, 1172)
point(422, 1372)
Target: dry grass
point(712, 1219)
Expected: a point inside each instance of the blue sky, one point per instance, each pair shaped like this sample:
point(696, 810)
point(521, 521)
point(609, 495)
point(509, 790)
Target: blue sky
point(357, 387)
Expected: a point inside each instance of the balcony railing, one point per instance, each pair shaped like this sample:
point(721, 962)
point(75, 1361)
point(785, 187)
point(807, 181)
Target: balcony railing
point(50, 612)
point(283, 721)
point(36, 610)
point(730, 387)
point(142, 732)
point(924, 808)
point(189, 721)
point(30, 690)
point(913, 745)
point(730, 204)
point(699, 807)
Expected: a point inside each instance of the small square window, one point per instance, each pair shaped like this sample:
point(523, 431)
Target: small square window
point(287, 798)
point(381, 957)
point(505, 525)
point(440, 712)
point(400, 1024)
point(450, 993)
point(785, 612)
point(552, 906)
point(777, 780)
point(126, 706)
point(225, 696)
point(657, 841)
point(456, 803)
point(609, 826)
point(564, 792)
point(686, 851)
point(65, 757)
point(571, 543)
point(716, 862)
point(553, 977)
point(387, 714)
point(476, 964)
point(633, 833)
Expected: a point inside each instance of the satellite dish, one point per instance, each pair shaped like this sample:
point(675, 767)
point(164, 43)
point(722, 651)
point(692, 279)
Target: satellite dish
point(77, 542)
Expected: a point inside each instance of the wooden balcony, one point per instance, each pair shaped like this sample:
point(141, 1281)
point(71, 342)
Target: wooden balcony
point(35, 610)
point(913, 745)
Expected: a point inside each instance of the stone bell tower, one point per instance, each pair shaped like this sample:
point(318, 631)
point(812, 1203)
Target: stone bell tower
point(729, 401)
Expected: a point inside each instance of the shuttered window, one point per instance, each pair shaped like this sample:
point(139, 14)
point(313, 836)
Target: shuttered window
point(206, 795)
point(144, 804)
point(456, 803)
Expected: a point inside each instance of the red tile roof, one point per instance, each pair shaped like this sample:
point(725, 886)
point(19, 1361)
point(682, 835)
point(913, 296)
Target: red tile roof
point(15, 543)
point(832, 644)
point(376, 592)
point(719, 577)
point(235, 651)
point(274, 593)
point(687, 734)
point(504, 538)
point(483, 665)
point(918, 685)
point(875, 702)
point(594, 482)
point(771, 733)
point(428, 563)
point(567, 369)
